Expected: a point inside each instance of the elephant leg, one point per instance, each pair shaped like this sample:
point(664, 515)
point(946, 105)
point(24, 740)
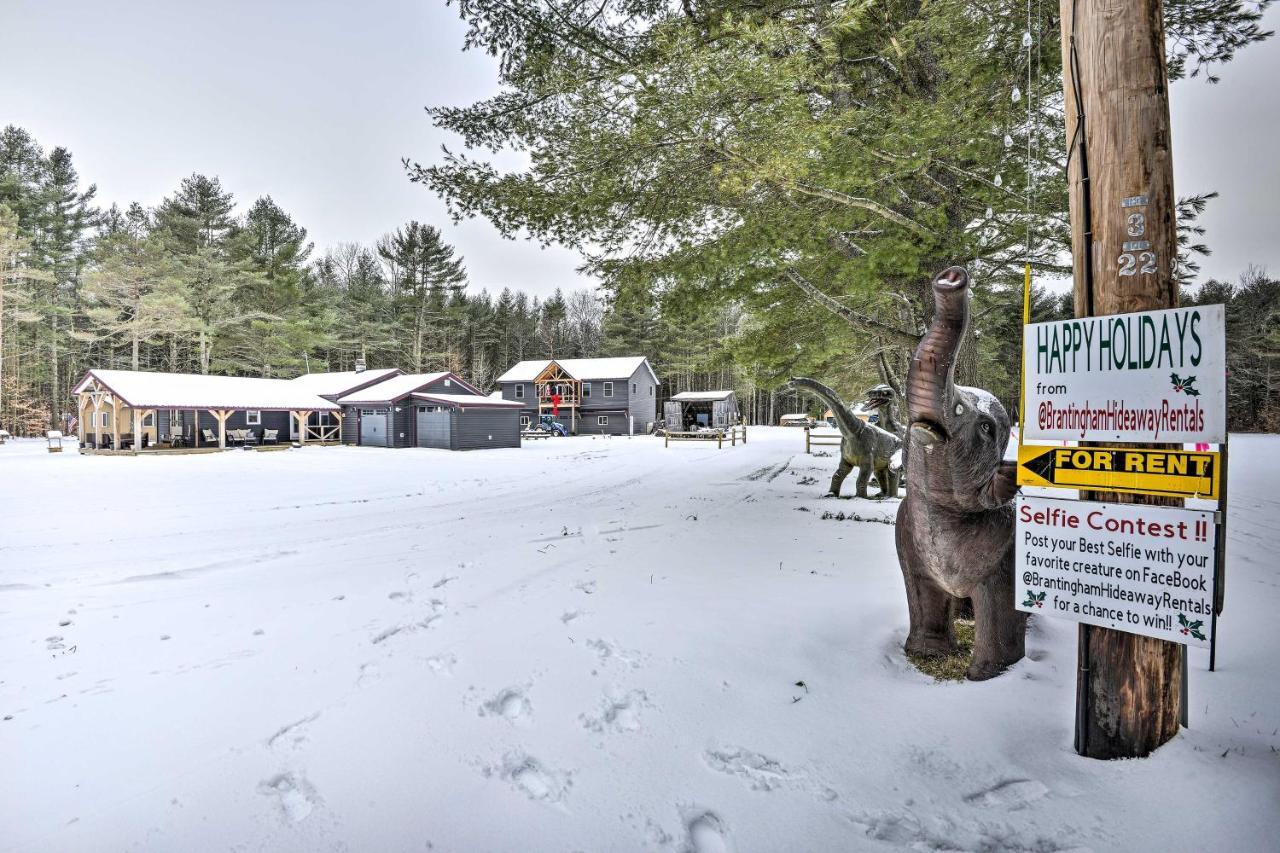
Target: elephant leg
point(999, 628)
point(864, 477)
point(837, 479)
point(929, 608)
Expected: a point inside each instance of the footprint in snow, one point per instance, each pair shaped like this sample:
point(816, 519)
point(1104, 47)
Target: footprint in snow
point(294, 796)
point(569, 615)
point(533, 779)
point(617, 713)
point(511, 704)
point(443, 663)
point(1011, 794)
point(705, 832)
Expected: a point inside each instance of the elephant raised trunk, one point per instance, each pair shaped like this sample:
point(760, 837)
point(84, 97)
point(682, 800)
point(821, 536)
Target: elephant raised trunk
point(931, 377)
point(955, 526)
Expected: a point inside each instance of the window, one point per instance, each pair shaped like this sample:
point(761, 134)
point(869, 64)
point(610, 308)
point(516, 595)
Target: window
point(149, 419)
point(448, 382)
point(586, 390)
point(106, 419)
point(602, 420)
point(519, 392)
point(253, 417)
point(650, 390)
point(633, 387)
point(524, 422)
point(608, 389)
point(364, 412)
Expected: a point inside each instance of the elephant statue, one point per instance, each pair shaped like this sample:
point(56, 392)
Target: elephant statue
point(956, 524)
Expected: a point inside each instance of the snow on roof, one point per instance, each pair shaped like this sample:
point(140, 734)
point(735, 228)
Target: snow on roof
point(795, 416)
point(477, 400)
point(586, 369)
point(392, 389)
point(145, 389)
point(338, 383)
point(702, 396)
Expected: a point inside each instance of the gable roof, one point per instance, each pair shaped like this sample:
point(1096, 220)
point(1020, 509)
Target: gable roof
point(467, 400)
point(399, 387)
point(586, 369)
point(343, 382)
point(142, 389)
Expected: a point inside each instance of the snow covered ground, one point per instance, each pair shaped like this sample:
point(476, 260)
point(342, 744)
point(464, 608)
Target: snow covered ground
point(584, 644)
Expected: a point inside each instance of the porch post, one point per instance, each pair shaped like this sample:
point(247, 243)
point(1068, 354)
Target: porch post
point(137, 429)
point(195, 428)
point(303, 418)
point(221, 416)
point(338, 416)
point(115, 422)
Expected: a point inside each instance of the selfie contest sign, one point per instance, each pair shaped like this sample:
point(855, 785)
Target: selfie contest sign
point(1154, 376)
point(1142, 569)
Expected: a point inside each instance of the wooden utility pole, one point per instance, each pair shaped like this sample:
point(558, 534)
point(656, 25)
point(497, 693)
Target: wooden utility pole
point(1124, 240)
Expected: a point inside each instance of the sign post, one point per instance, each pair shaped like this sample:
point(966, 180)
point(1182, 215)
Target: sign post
point(1124, 240)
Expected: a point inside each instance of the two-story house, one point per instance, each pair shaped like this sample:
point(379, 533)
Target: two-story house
point(615, 396)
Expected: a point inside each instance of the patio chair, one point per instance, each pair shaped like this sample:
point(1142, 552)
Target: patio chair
point(209, 436)
point(249, 438)
point(269, 436)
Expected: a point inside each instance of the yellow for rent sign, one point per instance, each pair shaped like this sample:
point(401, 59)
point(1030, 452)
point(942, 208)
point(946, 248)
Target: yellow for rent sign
point(1169, 473)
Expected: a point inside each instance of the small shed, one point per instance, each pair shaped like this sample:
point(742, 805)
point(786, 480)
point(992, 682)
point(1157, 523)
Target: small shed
point(795, 419)
point(693, 409)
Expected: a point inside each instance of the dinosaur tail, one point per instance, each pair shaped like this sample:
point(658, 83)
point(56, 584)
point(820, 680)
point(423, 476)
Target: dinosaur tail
point(848, 423)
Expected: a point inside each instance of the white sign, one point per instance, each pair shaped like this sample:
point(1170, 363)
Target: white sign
point(1142, 569)
point(1155, 376)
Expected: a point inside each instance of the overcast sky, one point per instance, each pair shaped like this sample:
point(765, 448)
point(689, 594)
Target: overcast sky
point(314, 102)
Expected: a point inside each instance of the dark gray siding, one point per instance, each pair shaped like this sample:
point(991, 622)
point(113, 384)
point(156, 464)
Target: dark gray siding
point(617, 423)
point(472, 428)
point(644, 402)
point(401, 425)
point(350, 424)
point(278, 421)
point(509, 392)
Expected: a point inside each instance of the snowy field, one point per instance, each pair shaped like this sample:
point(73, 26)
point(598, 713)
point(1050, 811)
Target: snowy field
point(581, 645)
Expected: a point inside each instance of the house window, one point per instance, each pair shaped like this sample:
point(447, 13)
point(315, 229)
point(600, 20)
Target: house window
point(586, 390)
point(448, 382)
point(253, 417)
point(149, 419)
point(602, 420)
point(365, 412)
point(106, 419)
point(650, 390)
point(524, 422)
point(633, 387)
point(519, 392)
point(608, 389)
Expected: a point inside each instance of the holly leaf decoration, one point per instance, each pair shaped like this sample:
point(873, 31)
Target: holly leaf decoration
point(1185, 385)
point(1191, 627)
point(1034, 600)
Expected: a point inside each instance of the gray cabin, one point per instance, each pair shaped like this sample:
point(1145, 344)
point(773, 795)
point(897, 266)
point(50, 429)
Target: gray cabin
point(436, 410)
point(690, 410)
point(601, 396)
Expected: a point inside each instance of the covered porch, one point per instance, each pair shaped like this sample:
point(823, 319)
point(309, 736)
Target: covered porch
point(113, 421)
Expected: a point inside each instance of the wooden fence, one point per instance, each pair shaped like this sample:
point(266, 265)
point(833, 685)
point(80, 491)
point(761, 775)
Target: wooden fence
point(732, 433)
point(822, 439)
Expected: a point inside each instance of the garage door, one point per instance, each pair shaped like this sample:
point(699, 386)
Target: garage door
point(373, 427)
point(434, 424)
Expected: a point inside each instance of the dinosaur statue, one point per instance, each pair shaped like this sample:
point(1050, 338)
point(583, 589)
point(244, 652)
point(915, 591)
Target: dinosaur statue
point(955, 525)
point(864, 446)
point(883, 399)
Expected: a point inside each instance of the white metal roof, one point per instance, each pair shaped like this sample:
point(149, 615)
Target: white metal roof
point(468, 400)
point(394, 388)
point(338, 383)
point(587, 369)
point(702, 396)
point(142, 389)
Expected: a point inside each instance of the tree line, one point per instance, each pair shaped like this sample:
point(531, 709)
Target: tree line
point(197, 285)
